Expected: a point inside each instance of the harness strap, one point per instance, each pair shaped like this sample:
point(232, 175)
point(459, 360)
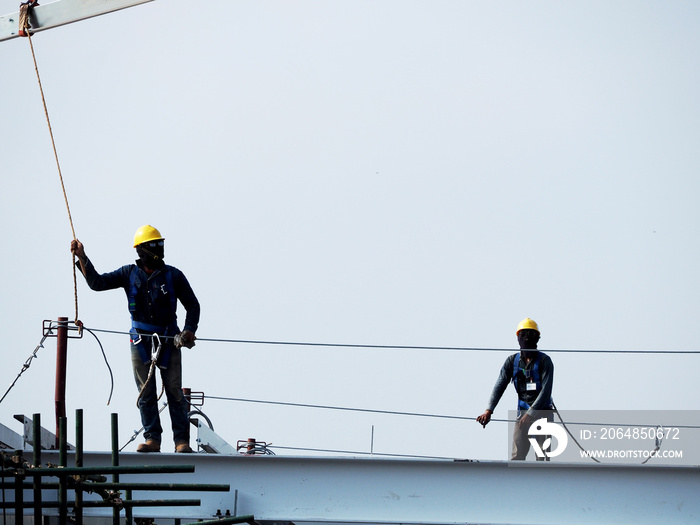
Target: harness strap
point(160, 330)
point(169, 330)
point(522, 405)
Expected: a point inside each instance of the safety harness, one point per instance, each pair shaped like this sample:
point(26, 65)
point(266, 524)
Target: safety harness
point(534, 376)
point(164, 331)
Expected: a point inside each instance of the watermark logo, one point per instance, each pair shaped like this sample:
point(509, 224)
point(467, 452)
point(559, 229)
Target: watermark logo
point(542, 427)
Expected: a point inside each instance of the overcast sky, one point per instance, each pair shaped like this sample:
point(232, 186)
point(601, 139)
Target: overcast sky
point(405, 172)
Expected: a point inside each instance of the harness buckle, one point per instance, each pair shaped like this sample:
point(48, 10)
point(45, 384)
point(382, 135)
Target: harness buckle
point(155, 349)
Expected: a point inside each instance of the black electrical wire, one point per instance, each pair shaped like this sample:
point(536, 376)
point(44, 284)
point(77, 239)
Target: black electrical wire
point(369, 410)
point(415, 347)
point(415, 414)
point(360, 453)
point(104, 355)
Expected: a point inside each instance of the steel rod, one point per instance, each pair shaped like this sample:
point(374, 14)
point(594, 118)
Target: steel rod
point(19, 497)
point(125, 503)
point(134, 469)
point(63, 462)
point(36, 483)
point(125, 485)
point(149, 503)
point(115, 463)
point(78, 508)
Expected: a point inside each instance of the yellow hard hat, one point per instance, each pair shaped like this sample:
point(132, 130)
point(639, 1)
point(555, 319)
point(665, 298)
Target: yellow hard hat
point(527, 324)
point(146, 233)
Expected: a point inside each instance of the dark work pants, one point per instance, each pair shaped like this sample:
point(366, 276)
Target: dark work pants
point(148, 404)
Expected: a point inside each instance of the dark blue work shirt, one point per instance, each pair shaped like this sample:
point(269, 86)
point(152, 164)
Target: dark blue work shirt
point(539, 399)
point(152, 302)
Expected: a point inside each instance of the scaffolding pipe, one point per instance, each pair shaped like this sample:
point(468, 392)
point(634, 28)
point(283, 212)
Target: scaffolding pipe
point(19, 494)
point(61, 358)
point(133, 469)
point(66, 480)
point(36, 438)
point(94, 486)
point(62, 482)
point(96, 504)
point(78, 507)
point(115, 463)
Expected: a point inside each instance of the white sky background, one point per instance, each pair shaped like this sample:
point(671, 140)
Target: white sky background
point(388, 172)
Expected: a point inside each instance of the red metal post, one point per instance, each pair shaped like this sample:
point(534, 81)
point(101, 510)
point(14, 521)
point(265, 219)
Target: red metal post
point(61, 357)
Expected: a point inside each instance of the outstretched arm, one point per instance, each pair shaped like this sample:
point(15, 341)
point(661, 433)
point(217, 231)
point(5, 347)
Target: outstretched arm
point(96, 281)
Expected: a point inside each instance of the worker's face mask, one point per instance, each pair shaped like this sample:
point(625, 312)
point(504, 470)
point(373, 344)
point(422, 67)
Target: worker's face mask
point(528, 339)
point(151, 254)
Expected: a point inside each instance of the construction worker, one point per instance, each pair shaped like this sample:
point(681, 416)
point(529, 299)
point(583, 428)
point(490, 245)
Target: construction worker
point(153, 289)
point(532, 375)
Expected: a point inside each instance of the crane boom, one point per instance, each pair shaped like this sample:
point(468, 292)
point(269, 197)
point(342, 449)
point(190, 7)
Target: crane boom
point(62, 12)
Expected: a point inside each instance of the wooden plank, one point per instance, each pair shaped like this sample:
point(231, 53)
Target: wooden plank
point(62, 12)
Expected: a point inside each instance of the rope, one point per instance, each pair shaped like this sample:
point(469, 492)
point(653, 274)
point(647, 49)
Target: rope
point(24, 30)
point(154, 359)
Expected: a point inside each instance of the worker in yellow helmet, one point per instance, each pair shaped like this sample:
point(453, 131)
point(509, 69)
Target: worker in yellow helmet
point(532, 375)
point(153, 289)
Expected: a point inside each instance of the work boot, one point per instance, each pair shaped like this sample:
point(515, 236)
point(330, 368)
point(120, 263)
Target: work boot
point(149, 446)
point(183, 447)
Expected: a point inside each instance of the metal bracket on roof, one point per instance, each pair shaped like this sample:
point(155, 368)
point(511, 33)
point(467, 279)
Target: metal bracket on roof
point(211, 442)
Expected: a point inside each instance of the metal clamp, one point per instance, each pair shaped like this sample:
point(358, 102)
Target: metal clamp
point(49, 328)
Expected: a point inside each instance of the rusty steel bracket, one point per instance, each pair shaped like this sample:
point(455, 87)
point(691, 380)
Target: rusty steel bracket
point(196, 399)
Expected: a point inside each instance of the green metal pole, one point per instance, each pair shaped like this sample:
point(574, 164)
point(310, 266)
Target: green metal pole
point(115, 462)
point(19, 491)
point(79, 463)
point(62, 461)
point(126, 469)
point(128, 511)
point(91, 486)
point(36, 447)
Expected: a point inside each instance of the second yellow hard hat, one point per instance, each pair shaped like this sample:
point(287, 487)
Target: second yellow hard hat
point(527, 324)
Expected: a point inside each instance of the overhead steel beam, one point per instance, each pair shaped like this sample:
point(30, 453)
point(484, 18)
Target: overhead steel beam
point(435, 492)
point(62, 12)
